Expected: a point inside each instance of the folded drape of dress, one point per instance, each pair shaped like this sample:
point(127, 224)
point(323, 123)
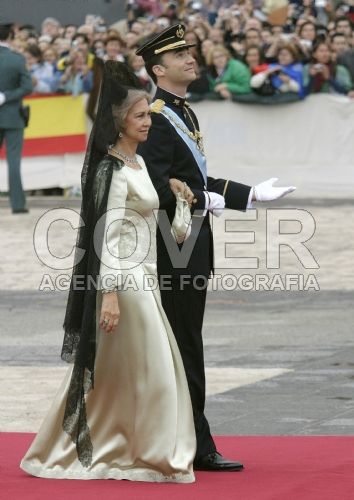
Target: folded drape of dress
point(139, 412)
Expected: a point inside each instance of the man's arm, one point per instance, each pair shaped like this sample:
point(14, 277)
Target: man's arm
point(158, 152)
point(239, 196)
point(25, 84)
point(236, 194)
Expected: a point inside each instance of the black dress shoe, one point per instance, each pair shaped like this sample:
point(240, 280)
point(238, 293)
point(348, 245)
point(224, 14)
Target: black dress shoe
point(215, 461)
point(20, 211)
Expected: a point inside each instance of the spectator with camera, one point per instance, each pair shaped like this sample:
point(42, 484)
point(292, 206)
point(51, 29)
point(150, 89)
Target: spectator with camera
point(44, 78)
point(307, 37)
point(324, 75)
point(283, 77)
point(77, 77)
point(79, 42)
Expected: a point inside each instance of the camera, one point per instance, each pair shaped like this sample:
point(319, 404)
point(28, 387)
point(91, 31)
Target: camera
point(286, 37)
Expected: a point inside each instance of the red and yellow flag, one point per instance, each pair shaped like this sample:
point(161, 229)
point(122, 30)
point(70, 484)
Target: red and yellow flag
point(57, 125)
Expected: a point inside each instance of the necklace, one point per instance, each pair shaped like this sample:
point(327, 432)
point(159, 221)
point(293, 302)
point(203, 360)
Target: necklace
point(124, 157)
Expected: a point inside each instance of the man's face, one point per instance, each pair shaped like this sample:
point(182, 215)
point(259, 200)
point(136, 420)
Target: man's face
point(50, 29)
point(70, 32)
point(216, 36)
point(113, 48)
point(344, 27)
point(339, 44)
point(177, 67)
point(253, 38)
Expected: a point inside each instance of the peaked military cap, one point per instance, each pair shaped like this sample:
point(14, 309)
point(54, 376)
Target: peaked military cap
point(171, 38)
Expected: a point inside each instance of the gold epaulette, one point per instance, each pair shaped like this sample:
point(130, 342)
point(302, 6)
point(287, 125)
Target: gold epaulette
point(157, 106)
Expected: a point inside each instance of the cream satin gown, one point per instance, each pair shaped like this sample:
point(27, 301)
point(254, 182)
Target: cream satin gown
point(139, 412)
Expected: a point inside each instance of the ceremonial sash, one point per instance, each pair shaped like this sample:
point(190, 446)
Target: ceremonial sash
point(181, 130)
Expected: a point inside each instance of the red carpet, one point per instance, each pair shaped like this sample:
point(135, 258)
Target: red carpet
point(276, 468)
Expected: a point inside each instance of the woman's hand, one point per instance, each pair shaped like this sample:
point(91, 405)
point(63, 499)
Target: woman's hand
point(275, 69)
point(284, 78)
point(225, 94)
point(178, 186)
point(220, 86)
point(312, 70)
point(109, 312)
point(325, 72)
point(66, 75)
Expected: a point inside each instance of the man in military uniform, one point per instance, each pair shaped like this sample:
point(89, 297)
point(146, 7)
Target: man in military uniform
point(174, 149)
point(15, 83)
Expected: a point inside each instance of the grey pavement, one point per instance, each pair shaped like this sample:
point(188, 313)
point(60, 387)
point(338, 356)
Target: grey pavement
point(307, 333)
point(278, 362)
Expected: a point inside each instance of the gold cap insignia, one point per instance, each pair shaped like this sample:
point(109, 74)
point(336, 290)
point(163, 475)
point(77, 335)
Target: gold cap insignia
point(180, 32)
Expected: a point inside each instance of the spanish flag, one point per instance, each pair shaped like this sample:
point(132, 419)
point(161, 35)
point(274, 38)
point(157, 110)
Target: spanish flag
point(57, 125)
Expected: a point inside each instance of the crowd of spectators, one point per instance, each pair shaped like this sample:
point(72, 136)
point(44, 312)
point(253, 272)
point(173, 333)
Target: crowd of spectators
point(248, 51)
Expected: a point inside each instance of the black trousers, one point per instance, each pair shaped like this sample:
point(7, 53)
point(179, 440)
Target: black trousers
point(184, 307)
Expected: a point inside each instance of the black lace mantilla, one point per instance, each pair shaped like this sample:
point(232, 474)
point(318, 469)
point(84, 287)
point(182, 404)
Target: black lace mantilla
point(79, 345)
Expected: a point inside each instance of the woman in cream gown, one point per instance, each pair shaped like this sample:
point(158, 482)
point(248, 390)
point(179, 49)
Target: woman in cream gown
point(139, 412)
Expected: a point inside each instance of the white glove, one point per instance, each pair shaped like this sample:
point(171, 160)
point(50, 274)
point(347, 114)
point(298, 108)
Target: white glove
point(215, 203)
point(2, 98)
point(265, 191)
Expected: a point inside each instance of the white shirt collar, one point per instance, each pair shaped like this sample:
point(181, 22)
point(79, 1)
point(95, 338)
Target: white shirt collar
point(4, 44)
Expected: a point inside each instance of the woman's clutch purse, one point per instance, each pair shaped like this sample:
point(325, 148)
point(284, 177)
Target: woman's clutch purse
point(182, 222)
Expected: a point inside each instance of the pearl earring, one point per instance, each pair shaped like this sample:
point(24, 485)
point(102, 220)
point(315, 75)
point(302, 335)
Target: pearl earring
point(120, 135)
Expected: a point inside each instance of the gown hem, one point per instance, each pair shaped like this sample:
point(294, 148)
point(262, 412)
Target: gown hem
point(133, 475)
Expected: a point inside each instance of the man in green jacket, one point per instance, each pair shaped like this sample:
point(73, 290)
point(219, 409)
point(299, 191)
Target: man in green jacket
point(15, 83)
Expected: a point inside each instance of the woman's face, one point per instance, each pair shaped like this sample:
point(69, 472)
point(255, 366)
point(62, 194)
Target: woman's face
point(31, 60)
point(137, 63)
point(308, 32)
point(50, 56)
point(113, 48)
point(322, 54)
point(43, 46)
point(219, 59)
point(206, 46)
point(79, 62)
point(199, 31)
point(235, 24)
point(70, 32)
point(138, 122)
point(252, 58)
point(191, 37)
point(285, 57)
point(99, 45)
point(266, 37)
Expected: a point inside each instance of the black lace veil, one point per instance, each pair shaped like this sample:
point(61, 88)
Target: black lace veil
point(79, 344)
